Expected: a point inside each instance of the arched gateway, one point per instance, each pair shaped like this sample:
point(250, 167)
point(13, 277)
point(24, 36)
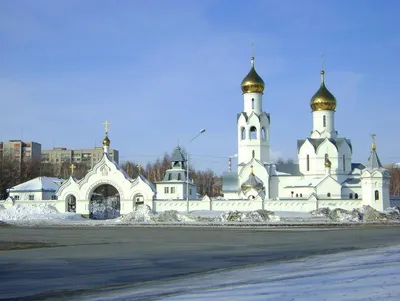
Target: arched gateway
point(105, 192)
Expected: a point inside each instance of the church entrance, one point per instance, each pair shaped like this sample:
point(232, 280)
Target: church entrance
point(105, 203)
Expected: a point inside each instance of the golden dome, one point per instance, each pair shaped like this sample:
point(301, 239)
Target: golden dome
point(252, 83)
point(106, 141)
point(323, 99)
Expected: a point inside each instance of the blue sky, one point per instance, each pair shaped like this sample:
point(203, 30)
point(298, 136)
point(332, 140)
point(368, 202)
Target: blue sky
point(160, 71)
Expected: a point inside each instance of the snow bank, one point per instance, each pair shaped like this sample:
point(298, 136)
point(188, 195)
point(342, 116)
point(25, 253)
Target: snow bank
point(140, 214)
point(365, 213)
point(253, 216)
point(143, 213)
point(35, 212)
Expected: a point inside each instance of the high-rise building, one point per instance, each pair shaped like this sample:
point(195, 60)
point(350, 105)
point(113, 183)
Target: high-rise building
point(21, 151)
point(89, 157)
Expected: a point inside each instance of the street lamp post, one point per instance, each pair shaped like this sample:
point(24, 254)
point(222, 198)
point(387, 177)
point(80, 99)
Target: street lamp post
point(187, 169)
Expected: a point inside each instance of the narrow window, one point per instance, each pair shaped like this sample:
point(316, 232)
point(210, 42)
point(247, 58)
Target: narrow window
point(301, 195)
point(16, 197)
point(190, 191)
point(54, 197)
point(308, 162)
point(328, 195)
point(344, 163)
point(179, 177)
point(243, 133)
point(253, 153)
point(169, 177)
point(324, 121)
point(172, 189)
point(376, 195)
point(253, 132)
point(292, 193)
point(263, 133)
point(252, 103)
point(350, 196)
point(166, 189)
point(297, 195)
point(356, 196)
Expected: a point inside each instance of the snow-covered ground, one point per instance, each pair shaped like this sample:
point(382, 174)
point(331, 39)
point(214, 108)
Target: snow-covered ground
point(372, 274)
point(46, 214)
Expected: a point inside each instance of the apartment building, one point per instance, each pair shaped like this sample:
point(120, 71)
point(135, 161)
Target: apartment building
point(89, 157)
point(21, 151)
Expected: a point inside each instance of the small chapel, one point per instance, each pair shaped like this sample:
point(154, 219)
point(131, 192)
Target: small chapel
point(325, 172)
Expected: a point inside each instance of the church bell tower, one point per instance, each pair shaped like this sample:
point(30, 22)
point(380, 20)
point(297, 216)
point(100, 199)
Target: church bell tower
point(253, 124)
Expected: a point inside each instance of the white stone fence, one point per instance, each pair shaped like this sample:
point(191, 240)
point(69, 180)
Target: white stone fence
point(251, 205)
point(127, 206)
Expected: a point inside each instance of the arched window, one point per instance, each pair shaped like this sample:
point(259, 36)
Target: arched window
point(344, 163)
point(301, 195)
point(350, 195)
point(252, 103)
point(376, 195)
point(324, 121)
point(292, 193)
point(243, 133)
point(253, 153)
point(297, 195)
point(263, 133)
point(356, 196)
point(328, 195)
point(308, 162)
point(253, 132)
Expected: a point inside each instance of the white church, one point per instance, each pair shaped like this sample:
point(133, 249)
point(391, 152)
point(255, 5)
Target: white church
point(324, 176)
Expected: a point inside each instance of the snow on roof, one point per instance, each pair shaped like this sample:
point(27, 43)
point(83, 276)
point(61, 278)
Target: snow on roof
point(38, 184)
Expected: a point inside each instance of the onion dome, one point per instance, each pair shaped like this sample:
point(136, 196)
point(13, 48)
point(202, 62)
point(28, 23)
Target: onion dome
point(323, 99)
point(252, 83)
point(252, 182)
point(106, 141)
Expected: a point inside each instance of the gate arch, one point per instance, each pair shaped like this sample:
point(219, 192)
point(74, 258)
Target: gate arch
point(104, 201)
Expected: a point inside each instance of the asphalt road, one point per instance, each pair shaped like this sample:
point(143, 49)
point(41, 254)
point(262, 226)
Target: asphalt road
point(62, 263)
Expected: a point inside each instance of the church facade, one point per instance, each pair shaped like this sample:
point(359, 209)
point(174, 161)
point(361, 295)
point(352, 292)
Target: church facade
point(325, 173)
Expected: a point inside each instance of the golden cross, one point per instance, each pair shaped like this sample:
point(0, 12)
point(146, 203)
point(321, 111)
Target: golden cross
point(106, 124)
point(140, 168)
point(72, 167)
point(373, 141)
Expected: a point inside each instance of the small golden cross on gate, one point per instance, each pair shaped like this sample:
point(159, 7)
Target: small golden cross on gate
point(106, 123)
point(72, 167)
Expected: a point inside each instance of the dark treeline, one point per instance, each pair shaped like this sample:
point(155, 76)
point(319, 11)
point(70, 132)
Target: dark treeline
point(395, 181)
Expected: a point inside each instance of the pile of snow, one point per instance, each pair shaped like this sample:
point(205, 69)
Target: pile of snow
point(370, 214)
point(342, 215)
point(35, 212)
point(393, 213)
point(140, 214)
point(143, 213)
point(338, 214)
point(365, 213)
point(251, 217)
